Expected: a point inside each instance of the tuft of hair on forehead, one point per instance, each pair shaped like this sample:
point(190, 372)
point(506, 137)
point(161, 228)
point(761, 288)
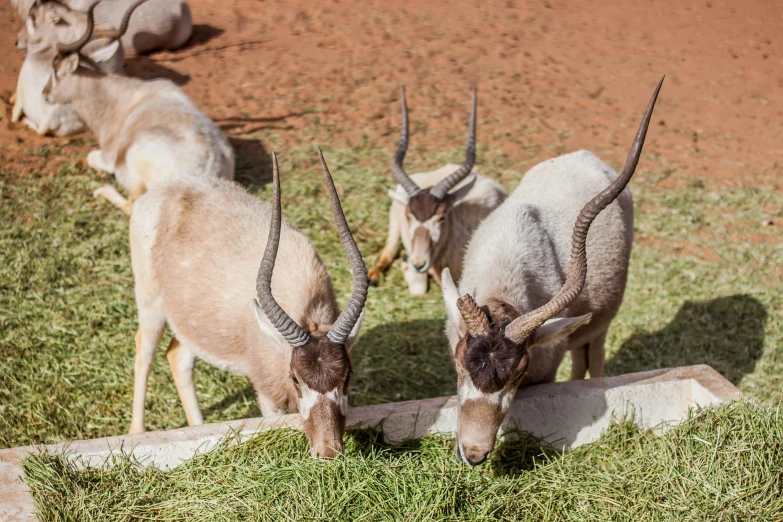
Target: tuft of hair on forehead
point(492, 360)
point(322, 364)
point(424, 205)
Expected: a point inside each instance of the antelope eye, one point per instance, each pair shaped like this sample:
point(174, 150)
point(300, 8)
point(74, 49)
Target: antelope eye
point(295, 380)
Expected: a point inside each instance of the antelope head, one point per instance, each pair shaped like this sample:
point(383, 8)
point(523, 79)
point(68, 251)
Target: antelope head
point(70, 57)
point(425, 210)
point(47, 23)
point(494, 344)
point(319, 363)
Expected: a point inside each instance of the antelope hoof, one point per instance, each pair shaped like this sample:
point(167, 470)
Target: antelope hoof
point(374, 277)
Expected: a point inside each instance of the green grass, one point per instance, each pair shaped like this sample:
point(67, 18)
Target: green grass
point(704, 287)
point(720, 464)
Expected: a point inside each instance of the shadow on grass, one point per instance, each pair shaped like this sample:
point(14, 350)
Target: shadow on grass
point(726, 333)
point(246, 394)
point(402, 361)
point(253, 163)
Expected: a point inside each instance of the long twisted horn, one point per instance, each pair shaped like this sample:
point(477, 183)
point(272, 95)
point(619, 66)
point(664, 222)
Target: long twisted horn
point(522, 327)
point(75, 47)
point(342, 327)
point(442, 188)
point(287, 327)
point(119, 33)
point(398, 172)
point(475, 318)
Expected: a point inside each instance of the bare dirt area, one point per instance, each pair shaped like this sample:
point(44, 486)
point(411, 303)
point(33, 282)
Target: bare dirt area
point(550, 74)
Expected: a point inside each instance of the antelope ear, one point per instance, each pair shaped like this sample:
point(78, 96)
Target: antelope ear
point(71, 63)
point(399, 195)
point(555, 330)
point(450, 297)
point(278, 342)
point(105, 53)
point(354, 335)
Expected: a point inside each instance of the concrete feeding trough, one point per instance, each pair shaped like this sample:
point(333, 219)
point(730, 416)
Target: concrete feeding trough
point(566, 415)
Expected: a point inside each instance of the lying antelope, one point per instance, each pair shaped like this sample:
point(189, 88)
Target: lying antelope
point(194, 250)
point(435, 213)
point(158, 24)
point(520, 309)
point(57, 119)
point(148, 130)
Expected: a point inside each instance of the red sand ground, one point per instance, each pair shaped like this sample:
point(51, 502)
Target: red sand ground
point(549, 73)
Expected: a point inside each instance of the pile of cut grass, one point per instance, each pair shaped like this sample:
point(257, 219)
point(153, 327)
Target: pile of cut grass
point(724, 463)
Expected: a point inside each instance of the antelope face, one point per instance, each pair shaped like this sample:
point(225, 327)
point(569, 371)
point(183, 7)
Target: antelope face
point(490, 365)
point(49, 23)
point(489, 370)
point(425, 215)
point(60, 88)
point(320, 371)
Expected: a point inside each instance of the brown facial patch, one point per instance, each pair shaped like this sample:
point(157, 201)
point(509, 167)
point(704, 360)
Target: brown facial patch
point(322, 365)
point(484, 414)
point(424, 205)
point(493, 360)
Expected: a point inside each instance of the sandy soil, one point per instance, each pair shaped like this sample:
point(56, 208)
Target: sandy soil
point(549, 73)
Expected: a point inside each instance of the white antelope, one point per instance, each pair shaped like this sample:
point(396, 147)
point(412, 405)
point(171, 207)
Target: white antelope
point(522, 306)
point(57, 119)
point(195, 249)
point(148, 130)
point(435, 213)
point(158, 24)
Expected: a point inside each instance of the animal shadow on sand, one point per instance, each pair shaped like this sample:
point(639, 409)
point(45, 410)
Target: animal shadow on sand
point(203, 33)
point(726, 333)
point(146, 68)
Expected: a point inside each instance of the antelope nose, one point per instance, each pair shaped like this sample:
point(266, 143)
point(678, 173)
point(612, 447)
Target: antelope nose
point(325, 451)
point(471, 455)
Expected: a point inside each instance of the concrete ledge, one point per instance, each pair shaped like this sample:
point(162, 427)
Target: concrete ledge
point(565, 414)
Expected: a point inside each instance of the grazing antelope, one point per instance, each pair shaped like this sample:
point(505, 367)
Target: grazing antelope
point(57, 119)
point(521, 308)
point(194, 249)
point(158, 24)
point(435, 213)
point(148, 130)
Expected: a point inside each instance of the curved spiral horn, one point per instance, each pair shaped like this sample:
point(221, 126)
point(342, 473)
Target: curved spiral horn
point(75, 47)
point(398, 173)
point(475, 318)
point(442, 188)
point(342, 327)
point(522, 327)
point(120, 32)
point(287, 327)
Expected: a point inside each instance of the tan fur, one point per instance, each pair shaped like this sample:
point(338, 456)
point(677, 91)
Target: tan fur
point(196, 247)
point(458, 225)
point(148, 131)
